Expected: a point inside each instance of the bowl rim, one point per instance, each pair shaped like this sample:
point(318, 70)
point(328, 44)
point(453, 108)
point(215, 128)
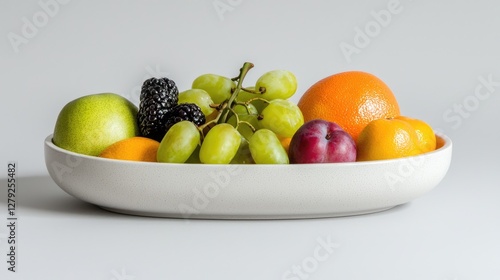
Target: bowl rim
point(447, 144)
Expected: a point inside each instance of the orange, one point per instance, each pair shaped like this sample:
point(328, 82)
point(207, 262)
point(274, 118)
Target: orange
point(439, 142)
point(387, 139)
point(134, 148)
point(425, 133)
point(394, 138)
point(351, 99)
point(285, 142)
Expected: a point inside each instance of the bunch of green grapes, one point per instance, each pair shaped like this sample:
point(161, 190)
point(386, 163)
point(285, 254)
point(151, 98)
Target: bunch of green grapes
point(244, 124)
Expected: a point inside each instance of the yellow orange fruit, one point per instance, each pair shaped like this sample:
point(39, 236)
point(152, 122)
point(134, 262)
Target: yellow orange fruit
point(387, 138)
point(351, 99)
point(425, 133)
point(285, 142)
point(439, 142)
point(134, 148)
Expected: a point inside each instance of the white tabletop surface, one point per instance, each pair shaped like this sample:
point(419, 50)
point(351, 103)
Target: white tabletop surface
point(450, 233)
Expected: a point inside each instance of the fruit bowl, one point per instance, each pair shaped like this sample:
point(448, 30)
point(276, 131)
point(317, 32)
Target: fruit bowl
point(256, 191)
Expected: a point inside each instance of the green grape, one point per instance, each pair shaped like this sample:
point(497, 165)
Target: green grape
point(244, 96)
point(243, 156)
point(199, 97)
point(179, 143)
point(218, 87)
point(245, 110)
point(245, 130)
point(283, 117)
point(195, 156)
point(278, 84)
point(265, 147)
point(245, 113)
point(220, 144)
point(249, 116)
point(260, 105)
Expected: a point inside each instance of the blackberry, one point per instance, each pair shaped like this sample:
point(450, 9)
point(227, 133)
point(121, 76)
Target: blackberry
point(158, 97)
point(185, 112)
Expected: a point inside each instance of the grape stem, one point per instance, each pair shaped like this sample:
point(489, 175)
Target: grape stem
point(246, 104)
point(257, 98)
point(236, 117)
point(224, 113)
point(219, 107)
point(249, 125)
point(254, 91)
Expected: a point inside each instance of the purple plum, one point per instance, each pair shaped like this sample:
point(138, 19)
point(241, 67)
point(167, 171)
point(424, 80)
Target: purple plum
point(320, 141)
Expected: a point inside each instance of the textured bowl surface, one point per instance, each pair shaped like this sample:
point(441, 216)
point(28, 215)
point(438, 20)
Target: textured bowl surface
point(246, 191)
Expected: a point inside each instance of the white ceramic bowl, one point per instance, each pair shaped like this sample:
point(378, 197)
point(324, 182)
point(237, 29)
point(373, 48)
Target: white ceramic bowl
point(246, 191)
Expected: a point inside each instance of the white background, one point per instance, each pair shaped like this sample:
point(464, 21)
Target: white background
point(431, 53)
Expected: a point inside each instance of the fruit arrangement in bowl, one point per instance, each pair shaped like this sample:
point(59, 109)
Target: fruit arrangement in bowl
point(221, 149)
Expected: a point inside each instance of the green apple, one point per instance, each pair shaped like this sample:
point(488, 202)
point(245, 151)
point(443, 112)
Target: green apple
point(89, 124)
